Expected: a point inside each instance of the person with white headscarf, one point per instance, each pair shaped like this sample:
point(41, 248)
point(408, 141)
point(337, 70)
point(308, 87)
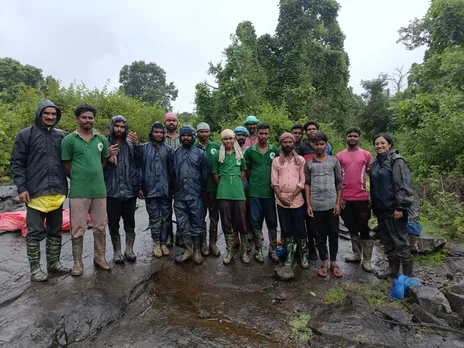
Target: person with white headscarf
point(228, 171)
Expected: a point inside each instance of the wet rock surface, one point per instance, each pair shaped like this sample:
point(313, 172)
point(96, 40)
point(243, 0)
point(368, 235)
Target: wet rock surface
point(9, 200)
point(430, 299)
point(157, 303)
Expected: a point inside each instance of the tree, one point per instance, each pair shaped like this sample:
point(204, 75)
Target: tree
point(147, 82)
point(13, 73)
point(397, 79)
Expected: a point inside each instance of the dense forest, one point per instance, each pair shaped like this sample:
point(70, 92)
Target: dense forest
point(300, 73)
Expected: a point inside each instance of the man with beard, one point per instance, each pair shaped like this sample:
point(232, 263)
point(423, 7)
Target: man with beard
point(41, 182)
point(251, 123)
point(356, 212)
point(191, 173)
point(297, 132)
point(288, 183)
point(84, 153)
point(171, 123)
point(260, 194)
point(157, 174)
point(241, 133)
point(122, 187)
point(209, 195)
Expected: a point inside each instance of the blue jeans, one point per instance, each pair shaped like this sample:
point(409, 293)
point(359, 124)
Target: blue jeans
point(263, 209)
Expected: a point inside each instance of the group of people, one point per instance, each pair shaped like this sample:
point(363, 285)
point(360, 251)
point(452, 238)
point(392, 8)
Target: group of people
point(244, 180)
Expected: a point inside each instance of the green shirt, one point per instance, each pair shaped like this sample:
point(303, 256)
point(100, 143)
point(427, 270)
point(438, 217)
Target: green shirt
point(259, 165)
point(210, 152)
point(229, 172)
point(87, 180)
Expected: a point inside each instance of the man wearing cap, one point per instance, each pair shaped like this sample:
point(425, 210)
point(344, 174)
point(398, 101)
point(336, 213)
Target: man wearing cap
point(191, 173)
point(241, 134)
point(251, 123)
point(157, 172)
point(209, 195)
point(228, 171)
point(260, 194)
point(288, 181)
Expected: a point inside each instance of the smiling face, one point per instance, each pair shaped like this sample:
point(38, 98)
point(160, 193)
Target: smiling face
point(381, 145)
point(86, 120)
point(48, 117)
point(228, 143)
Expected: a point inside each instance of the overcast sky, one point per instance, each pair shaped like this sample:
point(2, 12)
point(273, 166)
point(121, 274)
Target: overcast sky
point(89, 40)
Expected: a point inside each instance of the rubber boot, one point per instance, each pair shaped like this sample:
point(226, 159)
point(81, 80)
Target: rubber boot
point(99, 251)
point(304, 252)
point(188, 251)
point(77, 248)
point(357, 249)
point(258, 239)
point(118, 257)
point(204, 246)
point(393, 268)
point(230, 243)
point(213, 243)
point(53, 256)
point(165, 250)
point(197, 254)
point(157, 249)
point(170, 239)
point(33, 254)
point(407, 268)
point(289, 247)
point(244, 249)
point(273, 246)
point(312, 249)
point(367, 247)
point(129, 252)
point(236, 241)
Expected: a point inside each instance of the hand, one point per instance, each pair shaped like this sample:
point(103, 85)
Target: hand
point(132, 136)
point(112, 159)
point(310, 211)
point(141, 196)
point(24, 197)
point(342, 205)
point(285, 200)
point(397, 214)
point(113, 150)
point(336, 209)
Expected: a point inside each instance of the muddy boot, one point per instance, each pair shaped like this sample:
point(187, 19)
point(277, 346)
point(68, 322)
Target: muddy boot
point(157, 249)
point(289, 248)
point(244, 249)
point(393, 268)
point(258, 239)
point(129, 252)
point(236, 242)
point(188, 251)
point(415, 243)
point(230, 242)
point(99, 251)
point(212, 243)
point(170, 239)
point(367, 247)
point(53, 256)
point(273, 246)
point(303, 251)
point(77, 248)
point(118, 257)
point(250, 242)
point(197, 258)
point(33, 254)
point(357, 249)
point(165, 250)
point(407, 268)
point(204, 246)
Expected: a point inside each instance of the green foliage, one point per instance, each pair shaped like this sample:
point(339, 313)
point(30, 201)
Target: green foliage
point(147, 82)
point(432, 260)
point(13, 74)
point(300, 329)
point(334, 295)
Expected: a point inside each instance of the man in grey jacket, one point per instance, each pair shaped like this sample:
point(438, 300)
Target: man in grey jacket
point(41, 182)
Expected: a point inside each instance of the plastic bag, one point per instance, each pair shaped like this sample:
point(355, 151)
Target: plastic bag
point(401, 285)
point(414, 228)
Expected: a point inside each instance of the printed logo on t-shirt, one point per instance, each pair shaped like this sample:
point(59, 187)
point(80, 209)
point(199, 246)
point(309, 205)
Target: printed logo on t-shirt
point(100, 147)
point(272, 155)
point(238, 161)
point(213, 151)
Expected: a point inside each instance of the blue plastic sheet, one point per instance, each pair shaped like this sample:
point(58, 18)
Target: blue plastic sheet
point(414, 228)
point(401, 285)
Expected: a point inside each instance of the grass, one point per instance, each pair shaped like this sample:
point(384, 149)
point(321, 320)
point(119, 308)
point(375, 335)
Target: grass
point(335, 295)
point(300, 329)
point(432, 260)
point(431, 229)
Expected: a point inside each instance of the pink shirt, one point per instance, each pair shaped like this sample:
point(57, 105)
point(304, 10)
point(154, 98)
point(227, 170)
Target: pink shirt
point(287, 177)
point(250, 141)
point(354, 168)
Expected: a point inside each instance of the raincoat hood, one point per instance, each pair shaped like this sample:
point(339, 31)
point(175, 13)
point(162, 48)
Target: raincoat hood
point(45, 103)
point(115, 119)
point(157, 125)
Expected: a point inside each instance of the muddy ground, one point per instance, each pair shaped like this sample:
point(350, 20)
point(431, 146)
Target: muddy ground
point(157, 303)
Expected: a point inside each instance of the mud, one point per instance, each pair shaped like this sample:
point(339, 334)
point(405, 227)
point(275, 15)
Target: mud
point(156, 302)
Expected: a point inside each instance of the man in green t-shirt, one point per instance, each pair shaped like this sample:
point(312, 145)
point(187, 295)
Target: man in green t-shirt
point(228, 172)
point(260, 194)
point(209, 195)
point(84, 153)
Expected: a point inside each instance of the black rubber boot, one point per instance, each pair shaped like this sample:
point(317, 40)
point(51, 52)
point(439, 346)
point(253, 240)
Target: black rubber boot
point(118, 257)
point(392, 271)
point(407, 268)
point(197, 257)
point(129, 252)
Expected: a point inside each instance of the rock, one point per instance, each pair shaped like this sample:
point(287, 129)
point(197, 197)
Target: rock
point(426, 244)
point(282, 296)
point(9, 200)
point(395, 314)
point(284, 272)
point(452, 319)
point(423, 316)
point(455, 250)
point(430, 299)
point(455, 296)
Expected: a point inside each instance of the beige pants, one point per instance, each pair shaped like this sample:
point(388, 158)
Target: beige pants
point(80, 208)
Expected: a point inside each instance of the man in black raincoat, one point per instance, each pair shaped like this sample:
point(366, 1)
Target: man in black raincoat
point(122, 187)
point(157, 173)
point(191, 175)
point(41, 182)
